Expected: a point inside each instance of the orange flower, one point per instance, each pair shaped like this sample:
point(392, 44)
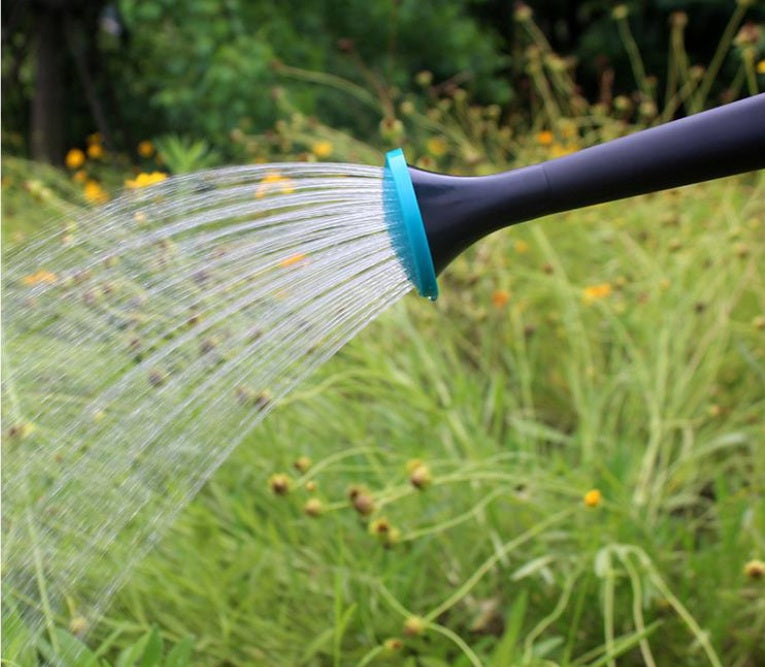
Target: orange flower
point(39, 277)
point(145, 148)
point(436, 146)
point(75, 158)
point(596, 292)
point(521, 247)
point(559, 150)
point(144, 180)
point(322, 149)
point(80, 176)
point(545, 138)
point(95, 193)
point(95, 151)
point(299, 257)
point(499, 298)
point(271, 181)
point(592, 498)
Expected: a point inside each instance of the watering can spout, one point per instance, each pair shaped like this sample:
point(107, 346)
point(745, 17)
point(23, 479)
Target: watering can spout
point(457, 211)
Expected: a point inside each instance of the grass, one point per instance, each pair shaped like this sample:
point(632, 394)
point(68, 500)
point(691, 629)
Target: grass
point(518, 394)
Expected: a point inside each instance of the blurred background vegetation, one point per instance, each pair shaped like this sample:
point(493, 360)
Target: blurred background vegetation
point(134, 70)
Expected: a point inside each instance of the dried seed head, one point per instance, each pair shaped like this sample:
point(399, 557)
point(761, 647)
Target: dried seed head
point(263, 400)
point(20, 430)
point(522, 12)
point(393, 645)
point(620, 12)
point(302, 463)
point(414, 626)
point(280, 484)
point(157, 377)
point(363, 503)
point(755, 569)
point(310, 486)
point(78, 626)
point(379, 526)
point(313, 507)
point(419, 476)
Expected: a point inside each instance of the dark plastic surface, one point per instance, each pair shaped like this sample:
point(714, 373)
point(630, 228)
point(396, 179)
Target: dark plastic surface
point(457, 211)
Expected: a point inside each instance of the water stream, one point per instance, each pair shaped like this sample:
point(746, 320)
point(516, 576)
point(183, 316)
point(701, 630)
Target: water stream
point(143, 341)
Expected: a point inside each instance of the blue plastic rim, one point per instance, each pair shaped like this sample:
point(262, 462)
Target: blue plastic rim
point(402, 213)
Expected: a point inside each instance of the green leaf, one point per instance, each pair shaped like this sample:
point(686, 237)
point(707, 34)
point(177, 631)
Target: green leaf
point(130, 655)
point(70, 651)
point(180, 654)
point(603, 562)
point(531, 567)
point(152, 654)
point(504, 653)
point(18, 641)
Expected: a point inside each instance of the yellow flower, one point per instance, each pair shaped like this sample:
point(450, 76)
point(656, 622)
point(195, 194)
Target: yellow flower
point(75, 158)
point(143, 180)
point(95, 193)
point(592, 498)
point(94, 138)
point(545, 138)
point(596, 292)
point(271, 181)
point(500, 297)
point(436, 146)
point(95, 151)
point(80, 176)
point(559, 150)
point(322, 149)
point(294, 259)
point(145, 148)
point(521, 247)
point(761, 67)
point(39, 277)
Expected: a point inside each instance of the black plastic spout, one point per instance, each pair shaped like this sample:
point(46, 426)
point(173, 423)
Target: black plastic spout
point(457, 211)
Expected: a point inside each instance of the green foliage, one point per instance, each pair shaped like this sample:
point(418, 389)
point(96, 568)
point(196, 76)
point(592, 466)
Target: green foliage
point(182, 155)
point(204, 70)
point(64, 649)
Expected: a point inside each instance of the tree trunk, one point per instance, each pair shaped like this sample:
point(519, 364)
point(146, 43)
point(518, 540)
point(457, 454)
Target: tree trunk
point(47, 118)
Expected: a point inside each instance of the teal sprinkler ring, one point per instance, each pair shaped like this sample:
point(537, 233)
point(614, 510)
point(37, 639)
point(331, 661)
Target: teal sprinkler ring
point(402, 213)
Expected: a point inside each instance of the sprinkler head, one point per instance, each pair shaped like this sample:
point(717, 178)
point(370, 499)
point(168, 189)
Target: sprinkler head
point(432, 218)
point(402, 213)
